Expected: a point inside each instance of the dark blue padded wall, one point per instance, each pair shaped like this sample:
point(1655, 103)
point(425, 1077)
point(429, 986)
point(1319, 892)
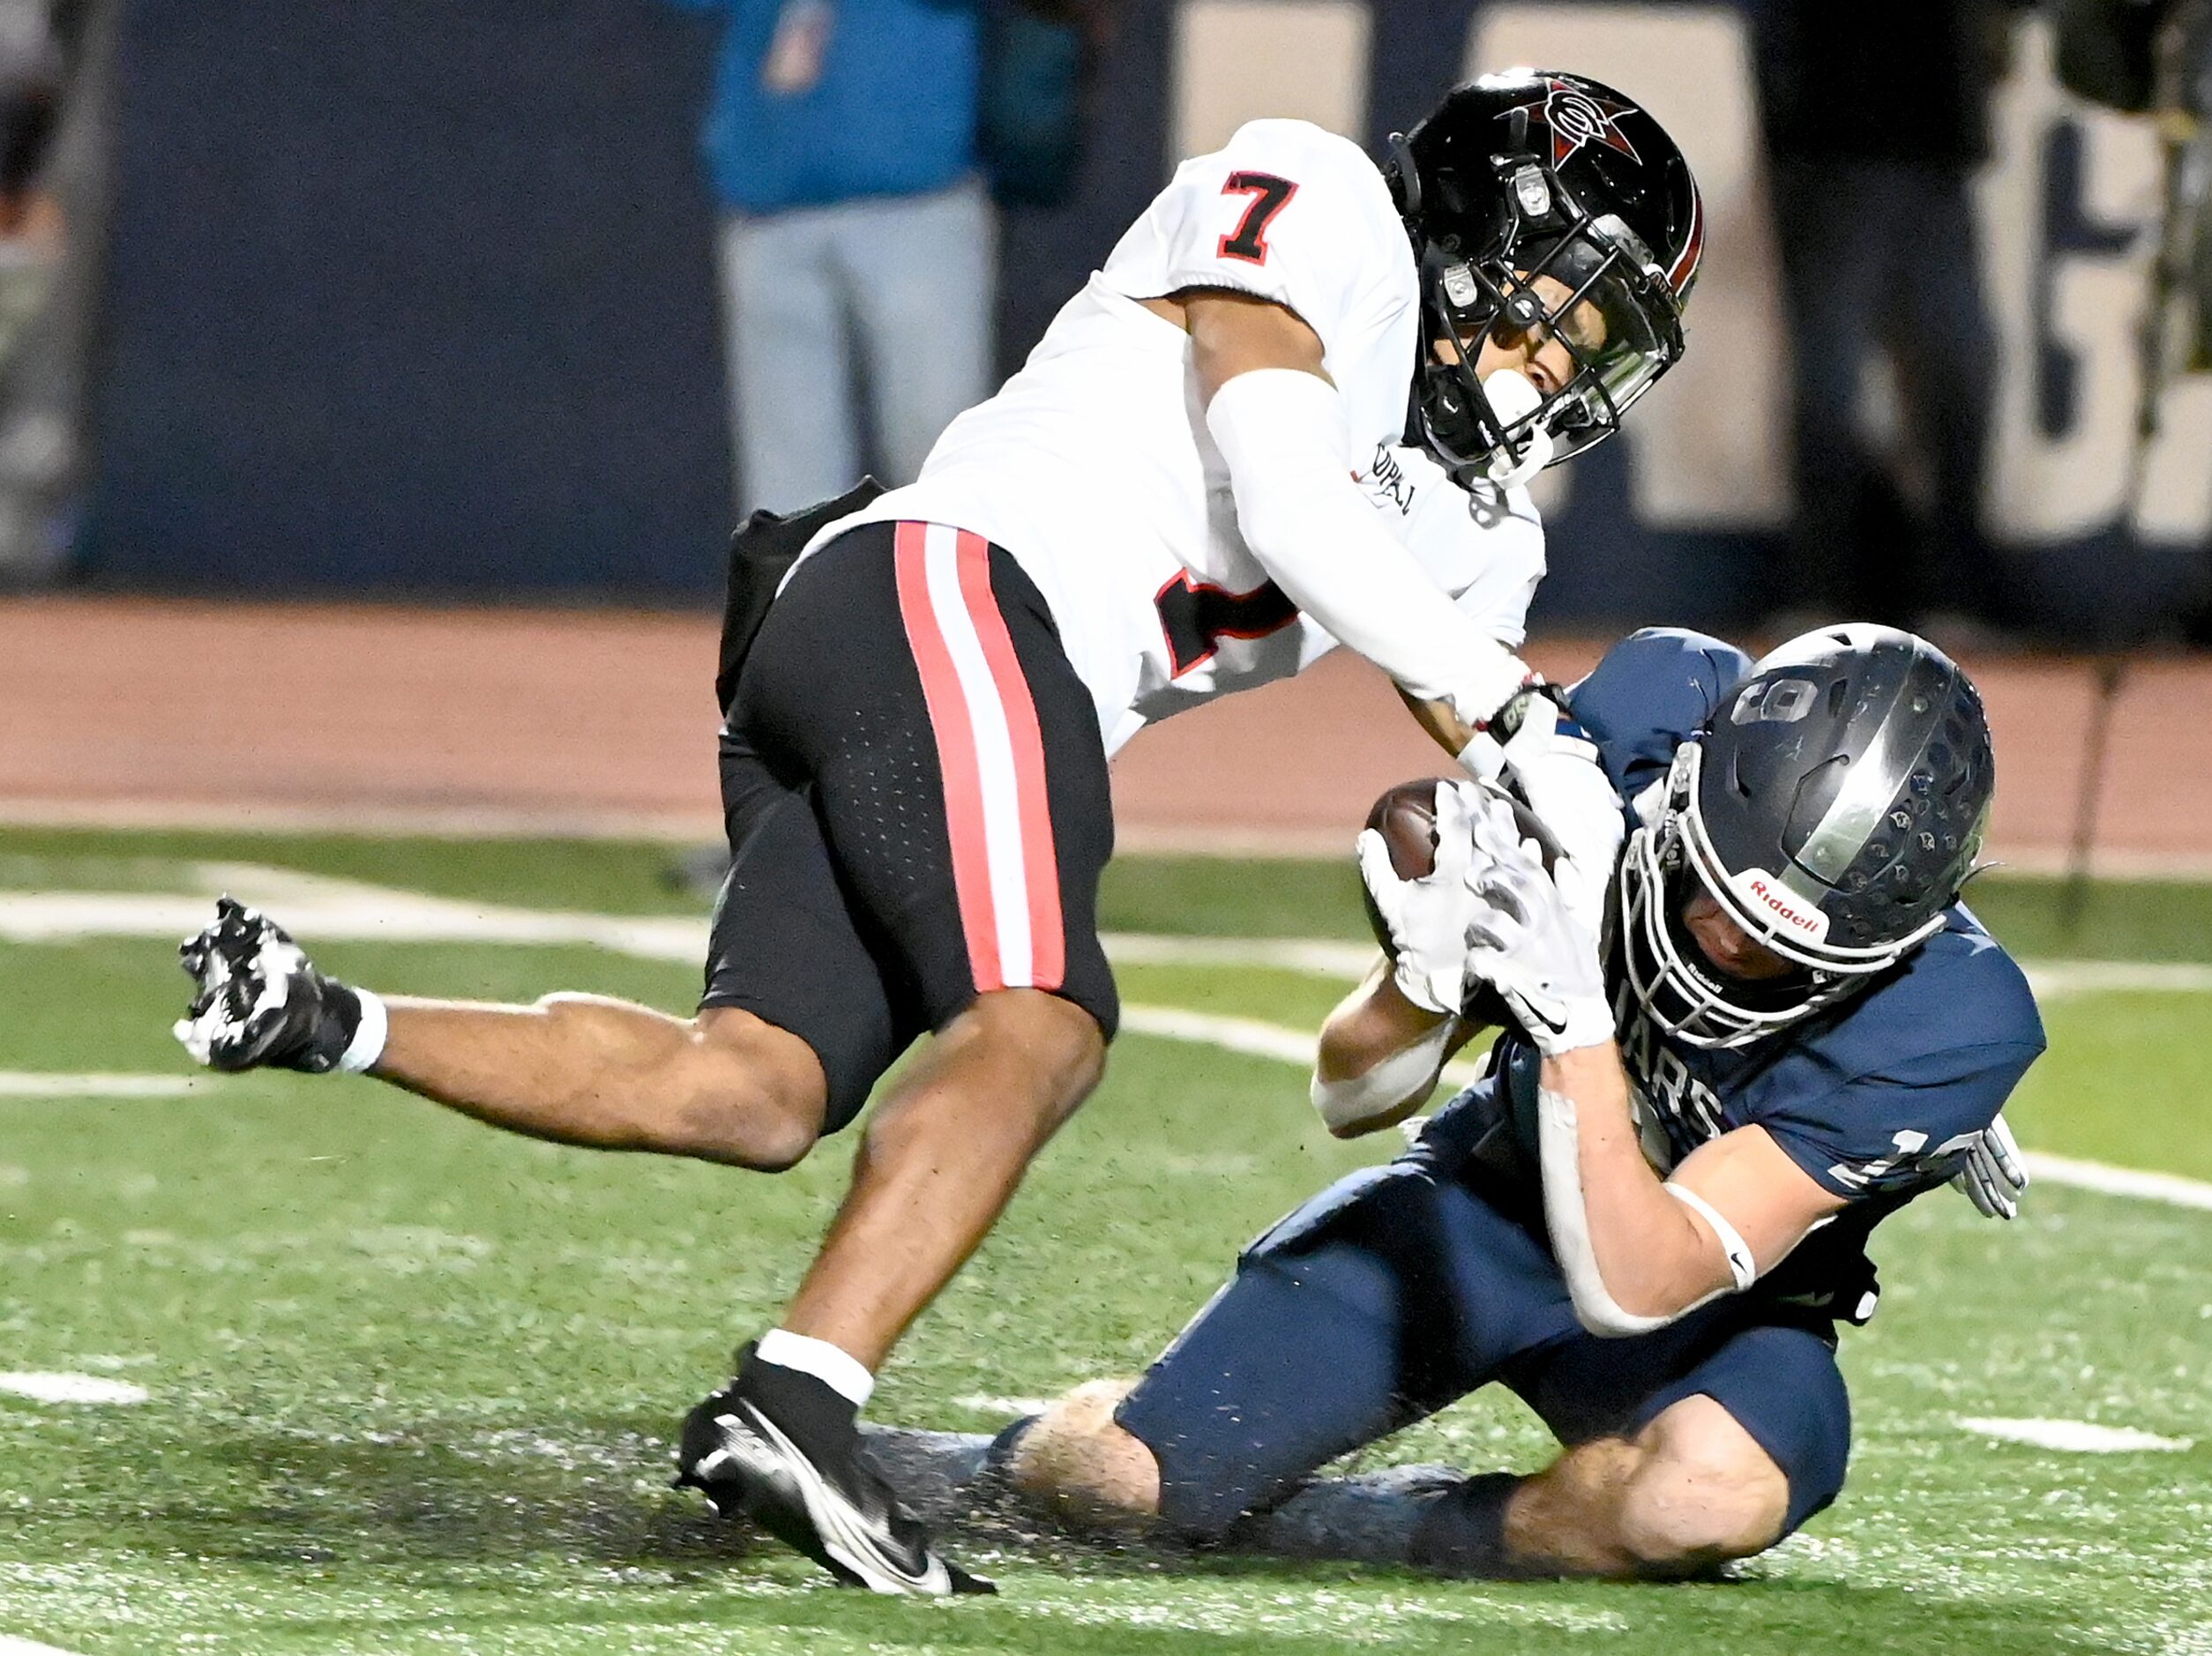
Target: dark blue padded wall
point(411, 297)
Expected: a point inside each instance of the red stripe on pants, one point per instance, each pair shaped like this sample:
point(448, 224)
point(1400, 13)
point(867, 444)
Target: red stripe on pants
point(1041, 862)
point(954, 732)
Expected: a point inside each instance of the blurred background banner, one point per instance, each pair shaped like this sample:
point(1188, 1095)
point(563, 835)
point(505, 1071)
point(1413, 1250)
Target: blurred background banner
point(416, 298)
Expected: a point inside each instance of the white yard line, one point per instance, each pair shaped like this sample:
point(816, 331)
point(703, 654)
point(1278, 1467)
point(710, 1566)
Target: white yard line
point(41, 1084)
point(71, 1388)
point(2169, 1188)
point(1318, 956)
point(316, 907)
point(2080, 1438)
point(1273, 1040)
point(10, 1645)
point(1246, 1036)
point(983, 1403)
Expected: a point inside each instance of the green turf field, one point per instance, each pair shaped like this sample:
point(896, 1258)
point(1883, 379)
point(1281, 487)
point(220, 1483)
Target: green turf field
point(410, 1382)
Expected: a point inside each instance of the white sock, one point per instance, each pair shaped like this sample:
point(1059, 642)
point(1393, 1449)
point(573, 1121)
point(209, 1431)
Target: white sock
point(838, 1369)
point(369, 1034)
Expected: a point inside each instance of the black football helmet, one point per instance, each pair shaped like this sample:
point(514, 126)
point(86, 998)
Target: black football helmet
point(1529, 173)
point(1833, 806)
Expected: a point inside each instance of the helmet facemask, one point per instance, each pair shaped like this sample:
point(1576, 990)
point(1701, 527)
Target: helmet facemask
point(1618, 321)
point(1677, 987)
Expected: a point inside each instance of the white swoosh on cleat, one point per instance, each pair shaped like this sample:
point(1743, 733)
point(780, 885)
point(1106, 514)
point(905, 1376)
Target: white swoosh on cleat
point(845, 1533)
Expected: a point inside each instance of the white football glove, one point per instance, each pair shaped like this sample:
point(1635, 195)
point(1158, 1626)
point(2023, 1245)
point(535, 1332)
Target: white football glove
point(1557, 773)
point(1993, 1177)
point(1428, 917)
point(1526, 942)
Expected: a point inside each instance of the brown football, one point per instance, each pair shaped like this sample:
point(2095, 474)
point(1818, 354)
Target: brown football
point(1405, 817)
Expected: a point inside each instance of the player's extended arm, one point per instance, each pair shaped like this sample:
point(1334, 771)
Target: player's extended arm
point(1637, 1252)
point(1279, 422)
point(1380, 1055)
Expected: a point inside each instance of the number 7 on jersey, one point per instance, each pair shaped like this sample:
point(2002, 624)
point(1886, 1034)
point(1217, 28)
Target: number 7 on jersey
point(1270, 195)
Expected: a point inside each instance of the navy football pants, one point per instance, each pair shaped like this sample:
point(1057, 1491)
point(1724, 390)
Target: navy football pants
point(1399, 1290)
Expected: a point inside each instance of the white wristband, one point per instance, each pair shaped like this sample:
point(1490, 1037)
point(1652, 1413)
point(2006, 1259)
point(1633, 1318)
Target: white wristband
point(369, 1034)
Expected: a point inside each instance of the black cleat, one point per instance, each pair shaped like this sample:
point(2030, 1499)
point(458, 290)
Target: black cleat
point(780, 1448)
point(259, 1002)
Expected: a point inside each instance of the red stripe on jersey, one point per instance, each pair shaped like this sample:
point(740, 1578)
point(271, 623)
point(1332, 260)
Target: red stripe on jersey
point(953, 726)
point(1040, 858)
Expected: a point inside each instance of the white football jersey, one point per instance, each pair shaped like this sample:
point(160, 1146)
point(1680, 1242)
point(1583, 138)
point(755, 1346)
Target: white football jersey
point(1094, 468)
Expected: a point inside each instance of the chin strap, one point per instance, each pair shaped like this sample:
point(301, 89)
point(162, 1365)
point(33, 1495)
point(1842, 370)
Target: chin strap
point(1511, 399)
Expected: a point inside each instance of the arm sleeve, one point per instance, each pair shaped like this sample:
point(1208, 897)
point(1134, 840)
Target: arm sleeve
point(1486, 551)
point(1905, 1128)
point(1281, 434)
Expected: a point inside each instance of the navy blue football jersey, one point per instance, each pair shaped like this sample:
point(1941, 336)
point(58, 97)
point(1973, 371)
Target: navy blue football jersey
point(1878, 1098)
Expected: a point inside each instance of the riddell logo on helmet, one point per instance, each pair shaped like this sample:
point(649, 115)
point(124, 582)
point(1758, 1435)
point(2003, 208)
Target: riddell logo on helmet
point(1763, 894)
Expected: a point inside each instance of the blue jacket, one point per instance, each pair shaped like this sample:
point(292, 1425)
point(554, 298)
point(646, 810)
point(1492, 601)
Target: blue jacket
point(891, 113)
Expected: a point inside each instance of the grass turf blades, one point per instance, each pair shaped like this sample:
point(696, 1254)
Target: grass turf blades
point(413, 1382)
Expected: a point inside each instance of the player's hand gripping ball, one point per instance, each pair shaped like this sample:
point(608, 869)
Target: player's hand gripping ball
point(1405, 817)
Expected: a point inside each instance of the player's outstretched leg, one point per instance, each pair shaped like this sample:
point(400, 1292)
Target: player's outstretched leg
point(724, 1087)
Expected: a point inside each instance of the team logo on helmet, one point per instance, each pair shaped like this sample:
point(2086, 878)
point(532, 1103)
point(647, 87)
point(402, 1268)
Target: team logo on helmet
point(1577, 117)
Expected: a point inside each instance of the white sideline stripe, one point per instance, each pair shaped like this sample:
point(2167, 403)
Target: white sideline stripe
point(2169, 1188)
point(71, 1388)
point(38, 1084)
point(1272, 1040)
point(2052, 979)
point(700, 825)
point(2081, 1437)
point(10, 1645)
point(1246, 1036)
point(317, 907)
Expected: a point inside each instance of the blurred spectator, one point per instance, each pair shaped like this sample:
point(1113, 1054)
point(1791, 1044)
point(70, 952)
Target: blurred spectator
point(858, 246)
point(29, 72)
point(1876, 115)
point(57, 72)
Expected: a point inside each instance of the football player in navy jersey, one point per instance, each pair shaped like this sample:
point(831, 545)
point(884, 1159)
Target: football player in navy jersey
point(1649, 1215)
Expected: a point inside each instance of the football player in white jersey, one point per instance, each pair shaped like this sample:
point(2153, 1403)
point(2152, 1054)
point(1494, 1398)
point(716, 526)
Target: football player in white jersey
point(1295, 410)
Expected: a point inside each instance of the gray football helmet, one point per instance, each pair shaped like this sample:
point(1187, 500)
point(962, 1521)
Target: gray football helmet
point(1833, 807)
